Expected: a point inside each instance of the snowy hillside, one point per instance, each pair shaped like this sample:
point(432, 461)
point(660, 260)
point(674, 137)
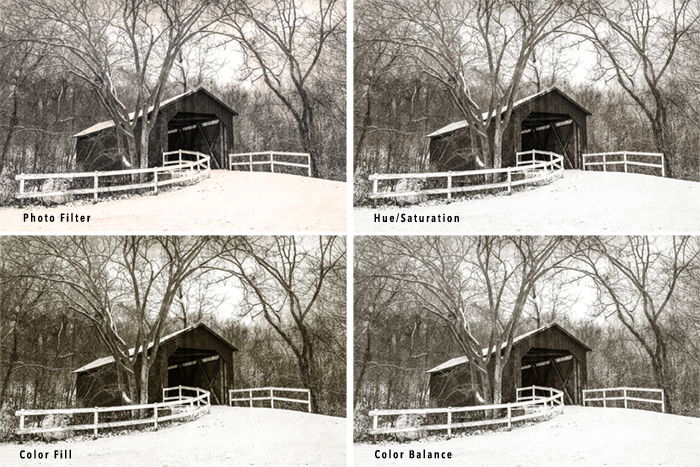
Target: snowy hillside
point(581, 436)
point(578, 203)
point(224, 202)
point(226, 437)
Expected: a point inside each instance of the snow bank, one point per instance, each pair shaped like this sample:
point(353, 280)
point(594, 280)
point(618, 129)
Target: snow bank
point(578, 203)
point(226, 437)
point(225, 202)
point(581, 436)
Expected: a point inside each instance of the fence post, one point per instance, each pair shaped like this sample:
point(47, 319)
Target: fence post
point(251, 398)
point(179, 392)
point(449, 422)
point(605, 402)
point(155, 181)
point(605, 161)
point(375, 425)
point(663, 401)
point(272, 399)
point(179, 156)
point(94, 432)
point(308, 397)
point(155, 416)
point(449, 188)
point(308, 163)
point(663, 166)
point(96, 181)
point(624, 396)
point(21, 426)
point(624, 155)
point(272, 162)
point(21, 184)
point(250, 158)
point(375, 186)
point(510, 182)
point(510, 416)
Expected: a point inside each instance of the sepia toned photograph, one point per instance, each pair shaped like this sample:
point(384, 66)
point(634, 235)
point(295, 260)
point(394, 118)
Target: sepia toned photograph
point(538, 351)
point(172, 116)
point(532, 117)
point(136, 351)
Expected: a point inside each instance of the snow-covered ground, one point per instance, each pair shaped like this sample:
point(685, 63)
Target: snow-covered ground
point(578, 203)
point(581, 436)
point(226, 202)
point(227, 437)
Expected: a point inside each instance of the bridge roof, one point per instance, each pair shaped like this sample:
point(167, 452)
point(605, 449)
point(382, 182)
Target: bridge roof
point(485, 351)
point(463, 123)
point(108, 360)
point(98, 127)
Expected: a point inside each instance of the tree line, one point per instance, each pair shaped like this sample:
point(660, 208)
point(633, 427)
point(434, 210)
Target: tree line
point(65, 301)
point(420, 301)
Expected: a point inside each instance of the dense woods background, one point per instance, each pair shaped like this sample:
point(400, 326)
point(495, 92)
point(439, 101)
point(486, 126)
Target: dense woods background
point(419, 301)
point(422, 64)
point(290, 94)
point(279, 300)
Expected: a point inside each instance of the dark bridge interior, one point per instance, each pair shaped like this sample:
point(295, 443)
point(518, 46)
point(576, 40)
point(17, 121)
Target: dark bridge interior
point(551, 368)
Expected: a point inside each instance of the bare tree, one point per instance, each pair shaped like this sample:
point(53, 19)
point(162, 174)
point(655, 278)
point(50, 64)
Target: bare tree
point(121, 49)
point(285, 279)
point(111, 281)
point(638, 279)
point(477, 287)
point(479, 51)
point(637, 43)
point(285, 42)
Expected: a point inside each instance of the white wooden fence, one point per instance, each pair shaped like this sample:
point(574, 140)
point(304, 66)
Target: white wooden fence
point(532, 167)
point(185, 402)
point(268, 394)
point(623, 394)
point(547, 400)
point(178, 168)
point(623, 158)
point(250, 159)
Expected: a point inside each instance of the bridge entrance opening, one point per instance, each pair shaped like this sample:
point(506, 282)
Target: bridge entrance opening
point(552, 132)
point(199, 132)
point(552, 368)
point(198, 368)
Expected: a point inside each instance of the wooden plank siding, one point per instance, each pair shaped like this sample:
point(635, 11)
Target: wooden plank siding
point(451, 387)
point(98, 150)
point(185, 352)
point(455, 150)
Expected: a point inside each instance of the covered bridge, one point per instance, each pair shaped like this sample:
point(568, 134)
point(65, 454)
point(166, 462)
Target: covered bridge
point(195, 356)
point(196, 120)
point(549, 121)
point(548, 356)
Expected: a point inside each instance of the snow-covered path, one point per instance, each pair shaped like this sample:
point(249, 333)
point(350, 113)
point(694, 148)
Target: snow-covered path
point(578, 203)
point(226, 202)
point(581, 436)
point(226, 437)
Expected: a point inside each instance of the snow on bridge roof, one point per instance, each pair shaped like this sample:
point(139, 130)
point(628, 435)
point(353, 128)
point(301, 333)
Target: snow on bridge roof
point(107, 360)
point(485, 351)
point(97, 127)
point(463, 123)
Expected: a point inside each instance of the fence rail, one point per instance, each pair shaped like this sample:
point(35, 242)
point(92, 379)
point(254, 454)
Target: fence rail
point(269, 160)
point(551, 401)
point(625, 397)
point(269, 396)
point(179, 169)
point(623, 158)
point(179, 406)
point(533, 166)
